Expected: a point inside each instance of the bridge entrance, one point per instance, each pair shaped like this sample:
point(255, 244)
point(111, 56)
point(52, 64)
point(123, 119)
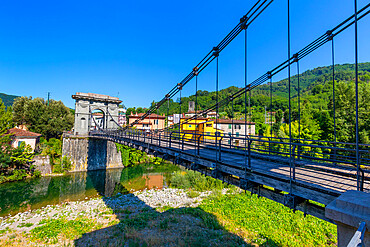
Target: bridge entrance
point(95, 112)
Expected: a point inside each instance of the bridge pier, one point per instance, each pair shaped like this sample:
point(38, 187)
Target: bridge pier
point(348, 211)
point(87, 153)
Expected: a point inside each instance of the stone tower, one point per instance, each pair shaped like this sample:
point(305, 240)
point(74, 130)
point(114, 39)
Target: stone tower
point(86, 103)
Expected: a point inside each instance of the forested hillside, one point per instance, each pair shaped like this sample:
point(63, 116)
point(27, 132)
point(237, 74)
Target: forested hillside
point(316, 103)
point(7, 99)
point(313, 82)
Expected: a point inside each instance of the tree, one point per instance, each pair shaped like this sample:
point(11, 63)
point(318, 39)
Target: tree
point(229, 112)
point(6, 121)
point(278, 120)
point(49, 120)
point(22, 155)
point(5, 124)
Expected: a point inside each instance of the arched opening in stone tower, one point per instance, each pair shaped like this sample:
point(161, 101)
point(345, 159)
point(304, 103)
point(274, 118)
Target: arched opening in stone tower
point(98, 120)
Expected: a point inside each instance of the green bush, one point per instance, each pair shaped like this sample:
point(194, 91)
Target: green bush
point(18, 175)
point(36, 174)
point(195, 180)
point(192, 193)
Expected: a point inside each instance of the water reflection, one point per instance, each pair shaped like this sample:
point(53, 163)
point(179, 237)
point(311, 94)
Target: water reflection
point(36, 193)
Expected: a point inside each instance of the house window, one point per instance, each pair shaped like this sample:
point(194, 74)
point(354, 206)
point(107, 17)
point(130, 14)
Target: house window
point(20, 143)
point(189, 125)
point(208, 125)
point(237, 126)
point(229, 126)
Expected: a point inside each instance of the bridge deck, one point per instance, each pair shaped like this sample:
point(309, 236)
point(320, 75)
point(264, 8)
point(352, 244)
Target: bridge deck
point(304, 174)
point(318, 182)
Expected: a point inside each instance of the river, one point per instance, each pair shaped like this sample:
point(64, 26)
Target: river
point(36, 193)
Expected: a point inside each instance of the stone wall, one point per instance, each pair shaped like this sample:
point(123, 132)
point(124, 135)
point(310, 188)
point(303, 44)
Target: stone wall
point(76, 149)
point(42, 163)
point(88, 153)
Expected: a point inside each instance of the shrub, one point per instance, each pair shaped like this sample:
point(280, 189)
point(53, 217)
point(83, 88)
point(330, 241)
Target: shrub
point(195, 180)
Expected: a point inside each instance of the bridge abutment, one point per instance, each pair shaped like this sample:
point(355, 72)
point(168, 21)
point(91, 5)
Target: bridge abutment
point(348, 211)
point(87, 153)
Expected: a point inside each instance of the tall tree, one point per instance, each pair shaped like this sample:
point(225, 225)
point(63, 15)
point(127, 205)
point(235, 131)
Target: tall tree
point(49, 120)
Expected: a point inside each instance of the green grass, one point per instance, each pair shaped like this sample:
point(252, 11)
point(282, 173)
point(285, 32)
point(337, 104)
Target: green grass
point(51, 229)
point(265, 222)
point(139, 221)
point(25, 225)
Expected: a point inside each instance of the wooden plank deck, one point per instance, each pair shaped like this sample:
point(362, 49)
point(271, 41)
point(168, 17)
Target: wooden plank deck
point(323, 180)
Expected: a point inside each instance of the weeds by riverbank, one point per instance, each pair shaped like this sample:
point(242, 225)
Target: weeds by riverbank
point(171, 217)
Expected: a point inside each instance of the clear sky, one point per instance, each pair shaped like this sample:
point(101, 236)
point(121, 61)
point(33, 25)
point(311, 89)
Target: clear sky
point(138, 50)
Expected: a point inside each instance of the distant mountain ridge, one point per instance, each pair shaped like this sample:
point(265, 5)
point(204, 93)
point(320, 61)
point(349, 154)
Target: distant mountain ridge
point(8, 99)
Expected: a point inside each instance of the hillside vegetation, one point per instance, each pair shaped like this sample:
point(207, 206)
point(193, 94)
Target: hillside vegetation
point(316, 104)
point(7, 99)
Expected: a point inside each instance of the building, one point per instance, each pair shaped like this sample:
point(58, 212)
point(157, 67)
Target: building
point(21, 135)
point(270, 117)
point(122, 116)
point(211, 114)
point(236, 128)
point(203, 126)
point(191, 112)
point(150, 122)
point(98, 121)
point(170, 120)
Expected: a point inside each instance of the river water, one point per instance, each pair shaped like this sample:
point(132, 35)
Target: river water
point(36, 193)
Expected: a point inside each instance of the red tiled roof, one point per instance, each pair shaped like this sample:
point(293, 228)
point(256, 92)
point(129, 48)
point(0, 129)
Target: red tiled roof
point(190, 112)
point(141, 123)
point(22, 133)
point(235, 121)
point(151, 116)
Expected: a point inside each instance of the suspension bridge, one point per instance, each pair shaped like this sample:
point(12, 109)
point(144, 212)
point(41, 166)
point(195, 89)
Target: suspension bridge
point(306, 175)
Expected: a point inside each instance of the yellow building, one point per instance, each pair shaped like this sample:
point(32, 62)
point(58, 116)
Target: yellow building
point(192, 129)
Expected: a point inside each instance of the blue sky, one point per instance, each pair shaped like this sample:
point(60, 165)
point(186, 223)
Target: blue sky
point(138, 50)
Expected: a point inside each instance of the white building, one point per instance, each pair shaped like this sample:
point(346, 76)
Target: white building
point(19, 136)
point(236, 129)
point(122, 116)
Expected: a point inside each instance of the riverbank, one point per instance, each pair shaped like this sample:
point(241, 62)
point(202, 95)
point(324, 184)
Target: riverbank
point(172, 217)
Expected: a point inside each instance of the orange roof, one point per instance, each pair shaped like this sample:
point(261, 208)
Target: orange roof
point(22, 133)
point(144, 123)
point(151, 116)
point(190, 112)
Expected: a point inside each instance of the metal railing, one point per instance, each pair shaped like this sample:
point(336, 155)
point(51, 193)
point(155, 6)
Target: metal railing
point(331, 157)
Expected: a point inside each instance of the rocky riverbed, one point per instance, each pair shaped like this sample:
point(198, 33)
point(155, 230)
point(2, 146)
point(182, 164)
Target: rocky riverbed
point(117, 220)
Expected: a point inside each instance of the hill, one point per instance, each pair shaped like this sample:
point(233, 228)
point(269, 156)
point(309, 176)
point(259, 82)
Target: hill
point(7, 99)
point(316, 82)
